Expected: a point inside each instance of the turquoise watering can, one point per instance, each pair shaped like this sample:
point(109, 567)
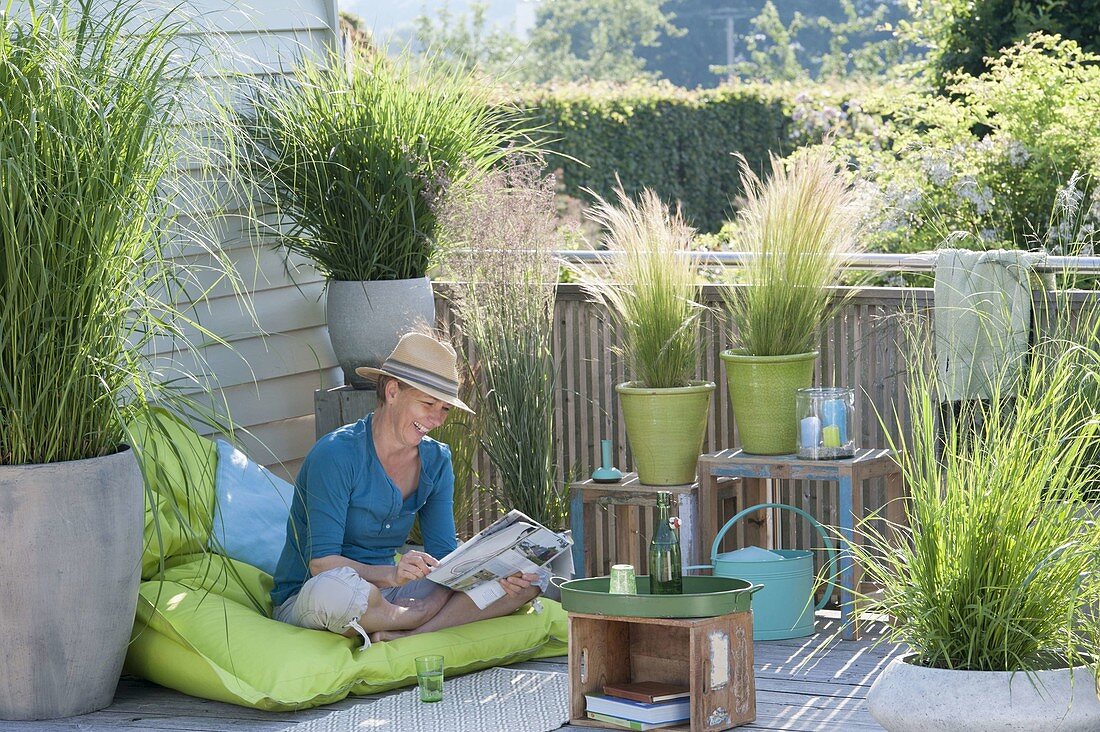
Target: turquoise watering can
point(784, 608)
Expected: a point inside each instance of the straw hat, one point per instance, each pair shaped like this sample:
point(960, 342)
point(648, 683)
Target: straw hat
point(423, 363)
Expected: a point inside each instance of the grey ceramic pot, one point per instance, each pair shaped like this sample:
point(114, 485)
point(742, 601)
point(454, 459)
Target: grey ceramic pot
point(366, 319)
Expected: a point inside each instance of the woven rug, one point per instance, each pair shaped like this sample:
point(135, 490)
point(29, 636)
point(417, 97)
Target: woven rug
point(497, 699)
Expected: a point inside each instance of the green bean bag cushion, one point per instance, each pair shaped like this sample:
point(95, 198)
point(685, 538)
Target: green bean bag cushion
point(204, 622)
point(179, 468)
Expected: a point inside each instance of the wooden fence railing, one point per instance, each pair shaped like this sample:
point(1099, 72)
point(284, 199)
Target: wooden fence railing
point(861, 348)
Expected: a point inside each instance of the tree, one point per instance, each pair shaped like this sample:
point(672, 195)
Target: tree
point(826, 38)
point(771, 49)
point(356, 32)
point(467, 40)
point(596, 39)
point(963, 35)
point(857, 45)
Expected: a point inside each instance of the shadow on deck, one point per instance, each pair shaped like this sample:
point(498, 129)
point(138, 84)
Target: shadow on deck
point(826, 693)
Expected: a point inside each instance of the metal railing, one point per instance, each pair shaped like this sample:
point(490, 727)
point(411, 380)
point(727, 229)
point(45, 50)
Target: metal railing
point(863, 261)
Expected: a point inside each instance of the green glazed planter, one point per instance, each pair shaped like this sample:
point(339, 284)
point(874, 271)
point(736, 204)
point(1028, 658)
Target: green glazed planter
point(762, 395)
point(665, 429)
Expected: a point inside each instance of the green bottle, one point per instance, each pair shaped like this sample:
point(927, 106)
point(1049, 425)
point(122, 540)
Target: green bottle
point(665, 569)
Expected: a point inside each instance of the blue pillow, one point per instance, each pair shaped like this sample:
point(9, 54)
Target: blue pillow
point(251, 506)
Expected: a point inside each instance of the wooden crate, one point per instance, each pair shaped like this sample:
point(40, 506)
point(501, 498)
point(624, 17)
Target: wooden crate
point(712, 656)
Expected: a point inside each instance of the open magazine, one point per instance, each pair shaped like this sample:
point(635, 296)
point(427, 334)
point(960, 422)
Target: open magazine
point(513, 543)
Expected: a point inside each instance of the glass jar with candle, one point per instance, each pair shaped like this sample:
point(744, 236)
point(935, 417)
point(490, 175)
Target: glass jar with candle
point(825, 422)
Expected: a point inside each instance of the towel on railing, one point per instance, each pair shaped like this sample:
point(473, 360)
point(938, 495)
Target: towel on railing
point(982, 319)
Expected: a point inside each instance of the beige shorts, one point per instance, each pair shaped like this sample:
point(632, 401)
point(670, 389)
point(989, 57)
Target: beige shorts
point(335, 600)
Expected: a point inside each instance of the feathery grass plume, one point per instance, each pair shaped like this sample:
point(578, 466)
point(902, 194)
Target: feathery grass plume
point(353, 155)
point(92, 154)
point(796, 226)
point(507, 229)
point(651, 287)
point(998, 566)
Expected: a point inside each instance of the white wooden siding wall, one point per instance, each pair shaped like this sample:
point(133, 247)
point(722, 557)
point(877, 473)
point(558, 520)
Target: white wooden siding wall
point(274, 322)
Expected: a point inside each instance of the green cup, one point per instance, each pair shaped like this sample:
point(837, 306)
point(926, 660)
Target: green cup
point(622, 580)
point(429, 677)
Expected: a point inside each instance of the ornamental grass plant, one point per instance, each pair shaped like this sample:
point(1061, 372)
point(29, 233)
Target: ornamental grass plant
point(1080, 326)
point(998, 566)
point(796, 227)
point(650, 288)
point(88, 288)
point(460, 434)
point(354, 153)
point(505, 232)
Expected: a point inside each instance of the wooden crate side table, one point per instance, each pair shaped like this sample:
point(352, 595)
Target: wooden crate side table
point(713, 656)
point(848, 473)
point(697, 505)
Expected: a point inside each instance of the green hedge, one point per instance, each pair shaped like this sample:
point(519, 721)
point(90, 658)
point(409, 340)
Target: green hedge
point(1001, 158)
point(676, 141)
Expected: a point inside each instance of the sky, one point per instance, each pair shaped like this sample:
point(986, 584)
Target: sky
point(386, 17)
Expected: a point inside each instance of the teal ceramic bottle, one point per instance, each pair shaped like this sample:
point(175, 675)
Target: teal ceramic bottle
point(665, 569)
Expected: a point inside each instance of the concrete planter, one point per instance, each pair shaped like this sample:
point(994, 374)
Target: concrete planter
point(909, 698)
point(69, 577)
point(665, 429)
point(365, 319)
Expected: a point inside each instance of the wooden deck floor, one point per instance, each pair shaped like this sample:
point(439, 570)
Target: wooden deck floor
point(825, 695)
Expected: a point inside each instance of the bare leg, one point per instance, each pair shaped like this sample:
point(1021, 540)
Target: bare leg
point(459, 610)
point(382, 615)
point(436, 599)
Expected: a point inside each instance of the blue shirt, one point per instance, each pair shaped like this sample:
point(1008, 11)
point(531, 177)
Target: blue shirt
point(345, 504)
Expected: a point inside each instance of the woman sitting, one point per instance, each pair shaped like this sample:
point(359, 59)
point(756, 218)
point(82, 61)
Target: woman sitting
point(356, 495)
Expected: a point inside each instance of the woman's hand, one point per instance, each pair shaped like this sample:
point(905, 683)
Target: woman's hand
point(413, 565)
point(517, 583)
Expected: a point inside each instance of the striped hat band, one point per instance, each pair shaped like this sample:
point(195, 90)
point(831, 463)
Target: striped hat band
point(423, 363)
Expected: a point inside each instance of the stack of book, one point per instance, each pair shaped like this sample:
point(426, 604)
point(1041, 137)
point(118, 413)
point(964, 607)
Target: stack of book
point(640, 705)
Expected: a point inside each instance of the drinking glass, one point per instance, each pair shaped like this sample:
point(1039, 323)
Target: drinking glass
point(429, 677)
point(622, 580)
